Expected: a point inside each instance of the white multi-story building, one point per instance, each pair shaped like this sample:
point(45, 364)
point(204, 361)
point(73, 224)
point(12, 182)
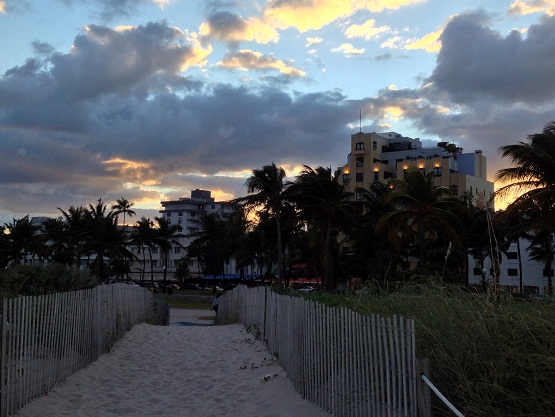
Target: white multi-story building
point(186, 212)
point(532, 280)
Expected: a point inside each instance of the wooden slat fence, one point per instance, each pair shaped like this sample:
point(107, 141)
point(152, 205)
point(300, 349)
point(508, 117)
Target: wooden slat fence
point(46, 338)
point(347, 363)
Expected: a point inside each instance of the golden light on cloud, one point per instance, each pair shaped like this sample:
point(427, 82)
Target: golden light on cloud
point(428, 43)
point(247, 60)
point(394, 112)
point(312, 15)
point(2, 6)
point(140, 173)
point(199, 55)
point(523, 7)
point(367, 30)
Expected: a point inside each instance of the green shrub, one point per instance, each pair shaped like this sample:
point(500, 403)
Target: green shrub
point(38, 280)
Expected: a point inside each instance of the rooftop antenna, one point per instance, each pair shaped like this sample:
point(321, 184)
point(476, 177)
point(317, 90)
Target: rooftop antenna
point(360, 120)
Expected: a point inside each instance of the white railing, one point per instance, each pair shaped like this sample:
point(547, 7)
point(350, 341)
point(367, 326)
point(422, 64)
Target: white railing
point(347, 363)
point(46, 338)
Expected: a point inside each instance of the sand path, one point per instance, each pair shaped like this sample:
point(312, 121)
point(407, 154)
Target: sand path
point(190, 368)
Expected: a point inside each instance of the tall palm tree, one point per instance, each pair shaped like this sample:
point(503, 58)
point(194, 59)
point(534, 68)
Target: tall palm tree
point(74, 221)
point(421, 212)
point(24, 239)
point(166, 238)
point(542, 249)
point(534, 176)
point(104, 238)
point(265, 188)
point(143, 237)
point(123, 206)
point(324, 203)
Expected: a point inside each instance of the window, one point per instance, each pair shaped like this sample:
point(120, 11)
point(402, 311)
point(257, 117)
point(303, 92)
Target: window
point(359, 146)
point(374, 146)
point(477, 271)
point(512, 255)
point(193, 214)
point(177, 249)
point(179, 221)
point(438, 171)
point(154, 250)
point(358, 196)
point(346, 178)
point(454, 189)
point(376, 176)
point(213, 207)
point(191, 262)
point(169, 214)
point(360, 161)
point(180, 213)
point(512, 272)
point(360, 177)
point(155, 262)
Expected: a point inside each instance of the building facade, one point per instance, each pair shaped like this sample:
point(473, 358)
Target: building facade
point(384, 156)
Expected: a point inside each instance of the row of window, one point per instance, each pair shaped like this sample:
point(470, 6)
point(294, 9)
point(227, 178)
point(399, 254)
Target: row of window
point(511, 272)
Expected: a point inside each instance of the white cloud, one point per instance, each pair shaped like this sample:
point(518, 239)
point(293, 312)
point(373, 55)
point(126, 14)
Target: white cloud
point(348, 49)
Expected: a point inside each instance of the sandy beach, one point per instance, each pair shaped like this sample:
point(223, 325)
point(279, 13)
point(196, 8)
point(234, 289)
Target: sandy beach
point(190, 368)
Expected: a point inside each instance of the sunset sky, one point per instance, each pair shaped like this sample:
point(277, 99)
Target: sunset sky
point(149, 99)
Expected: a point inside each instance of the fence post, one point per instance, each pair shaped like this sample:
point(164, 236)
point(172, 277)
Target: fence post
point(423, 397)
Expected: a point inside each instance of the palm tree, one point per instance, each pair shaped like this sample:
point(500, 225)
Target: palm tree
point(324, 204)
point(266, 192)
point(24, 239)
point(103, 238)
point(369, 254)
point(143, 237)
point(165, 238)
point(123, 206)
point(533, 176)
point(74, 221)
point(542, 249)
point(421, 212)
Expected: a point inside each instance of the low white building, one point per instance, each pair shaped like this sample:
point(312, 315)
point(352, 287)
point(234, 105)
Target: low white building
point(532, 280)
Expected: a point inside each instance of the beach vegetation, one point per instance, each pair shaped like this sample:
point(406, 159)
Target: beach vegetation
point(490, 359)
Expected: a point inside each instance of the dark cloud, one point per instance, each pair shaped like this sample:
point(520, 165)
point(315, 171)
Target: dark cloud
point(111, 9)
point(42, 48)
point(225, 26)
point(103, 62)
point(476, 62)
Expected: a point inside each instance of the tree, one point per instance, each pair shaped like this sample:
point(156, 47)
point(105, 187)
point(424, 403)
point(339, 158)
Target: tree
point(542, 249)
point(103, 238)
point(533, 176)
point(421, 212)
point(74, 221)
point(143, 237)
point(323, 203)
point(265, 188)
point(165, 238)
point(123, 206)
point(23, 238)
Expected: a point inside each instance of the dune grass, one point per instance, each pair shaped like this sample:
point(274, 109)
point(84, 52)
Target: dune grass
point(491, 359)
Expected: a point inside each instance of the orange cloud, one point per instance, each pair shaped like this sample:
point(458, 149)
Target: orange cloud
point(251, 30)
point(313, 15)
point(2, 6)
point(132, 171)
point(523, 7)
point(247, 60)
point(429, 42)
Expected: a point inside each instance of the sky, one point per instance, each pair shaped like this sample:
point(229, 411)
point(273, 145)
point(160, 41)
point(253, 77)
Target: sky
point(150, 99)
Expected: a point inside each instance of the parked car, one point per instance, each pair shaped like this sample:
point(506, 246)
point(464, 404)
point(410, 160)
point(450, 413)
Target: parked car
point(307, 289)
point(172, 287)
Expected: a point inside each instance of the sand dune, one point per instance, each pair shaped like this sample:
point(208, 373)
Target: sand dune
point(189, 368)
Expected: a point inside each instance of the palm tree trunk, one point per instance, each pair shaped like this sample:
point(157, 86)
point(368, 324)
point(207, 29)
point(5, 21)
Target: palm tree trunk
point(281, 256)
point(329, 276)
